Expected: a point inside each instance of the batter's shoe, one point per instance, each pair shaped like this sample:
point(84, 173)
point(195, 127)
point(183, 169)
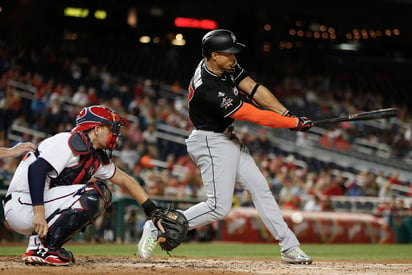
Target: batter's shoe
point(44, 256)
point(148, 241)
point(295, 256)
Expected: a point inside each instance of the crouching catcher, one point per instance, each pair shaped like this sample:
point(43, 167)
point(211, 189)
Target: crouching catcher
point(60, 189)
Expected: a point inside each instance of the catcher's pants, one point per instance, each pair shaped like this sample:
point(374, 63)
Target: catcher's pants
point(18, 211)
point(223, 161)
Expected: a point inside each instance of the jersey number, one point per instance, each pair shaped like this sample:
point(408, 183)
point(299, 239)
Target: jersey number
point(191, 93)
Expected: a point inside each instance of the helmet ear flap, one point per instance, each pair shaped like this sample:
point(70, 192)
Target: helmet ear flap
point(114, 137)
point(112, 141)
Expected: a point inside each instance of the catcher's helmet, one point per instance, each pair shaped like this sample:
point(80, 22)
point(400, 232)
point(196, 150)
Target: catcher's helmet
point(220, 40)
point(95, 115)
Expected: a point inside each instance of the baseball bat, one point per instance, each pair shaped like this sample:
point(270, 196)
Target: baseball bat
point(375, 114)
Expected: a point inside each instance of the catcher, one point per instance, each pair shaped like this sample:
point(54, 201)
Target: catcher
point(59, 189)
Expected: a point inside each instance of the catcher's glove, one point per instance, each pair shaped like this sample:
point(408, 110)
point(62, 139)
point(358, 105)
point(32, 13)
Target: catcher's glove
point(175, 225)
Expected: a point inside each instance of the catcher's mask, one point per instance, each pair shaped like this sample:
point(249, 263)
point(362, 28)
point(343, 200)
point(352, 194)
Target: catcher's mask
point(92, 116)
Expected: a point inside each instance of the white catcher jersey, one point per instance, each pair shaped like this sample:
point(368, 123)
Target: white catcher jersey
point(56, 151)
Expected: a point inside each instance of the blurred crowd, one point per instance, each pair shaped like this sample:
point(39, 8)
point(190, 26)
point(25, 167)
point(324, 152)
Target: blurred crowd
point(62, 84)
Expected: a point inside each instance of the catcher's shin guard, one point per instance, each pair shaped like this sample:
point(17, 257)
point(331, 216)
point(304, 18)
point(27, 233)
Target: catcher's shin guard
point(94, 199)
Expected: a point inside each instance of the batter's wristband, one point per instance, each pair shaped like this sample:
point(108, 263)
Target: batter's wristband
point(149, 207)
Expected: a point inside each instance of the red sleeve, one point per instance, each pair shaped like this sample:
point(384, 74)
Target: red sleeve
point(263, 117)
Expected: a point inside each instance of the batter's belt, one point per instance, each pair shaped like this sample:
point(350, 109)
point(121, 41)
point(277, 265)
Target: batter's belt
point(228, 129)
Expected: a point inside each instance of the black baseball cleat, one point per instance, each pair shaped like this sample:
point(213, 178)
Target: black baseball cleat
point(44, 256)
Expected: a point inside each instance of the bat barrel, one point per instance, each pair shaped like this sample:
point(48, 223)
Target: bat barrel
point(370, 115)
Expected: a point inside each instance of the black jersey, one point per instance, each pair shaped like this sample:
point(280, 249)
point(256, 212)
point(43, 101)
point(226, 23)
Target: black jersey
point(212, 99)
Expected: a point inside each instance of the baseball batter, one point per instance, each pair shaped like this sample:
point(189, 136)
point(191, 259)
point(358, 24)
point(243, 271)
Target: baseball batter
point(60, 188)
point(220, 92)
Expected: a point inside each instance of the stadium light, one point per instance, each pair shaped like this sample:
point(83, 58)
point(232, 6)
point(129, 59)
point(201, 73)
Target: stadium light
point(145, 39)
point(178, 40)
point(100, 14)
point(76, 12)
point(347, 46)
point(184, 22)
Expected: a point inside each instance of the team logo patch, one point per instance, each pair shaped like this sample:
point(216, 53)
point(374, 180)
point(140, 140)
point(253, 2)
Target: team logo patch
point(233, 38)
point(226, 102)
point(172, 216)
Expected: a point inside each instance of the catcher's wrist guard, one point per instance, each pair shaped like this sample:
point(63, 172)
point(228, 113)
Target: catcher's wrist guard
point(149, 207)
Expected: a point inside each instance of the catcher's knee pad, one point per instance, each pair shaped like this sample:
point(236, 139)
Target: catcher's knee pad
point(94, 199)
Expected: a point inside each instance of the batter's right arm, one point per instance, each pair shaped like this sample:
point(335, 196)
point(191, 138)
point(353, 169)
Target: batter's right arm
point(262, 95)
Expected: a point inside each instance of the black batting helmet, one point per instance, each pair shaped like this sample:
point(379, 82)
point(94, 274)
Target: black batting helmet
point(220, 40)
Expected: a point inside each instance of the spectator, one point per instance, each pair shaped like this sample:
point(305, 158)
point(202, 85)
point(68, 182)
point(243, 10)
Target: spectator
point(129, 156)
point(313, 204)
point(137, 175)
point(355, 190)
point(326, 204)
point(92, 97)
point(80, 97)
point(38, 105)
point(246, 199)
point(291, 202)
point(336, 186)
point(150, 135)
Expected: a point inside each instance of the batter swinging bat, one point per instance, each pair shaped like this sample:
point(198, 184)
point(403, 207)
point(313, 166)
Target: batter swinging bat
point(376, 114)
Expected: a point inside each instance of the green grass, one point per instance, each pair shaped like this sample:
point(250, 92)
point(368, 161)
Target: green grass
point(361, 252)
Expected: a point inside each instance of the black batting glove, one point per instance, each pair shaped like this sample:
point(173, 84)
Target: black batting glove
point(303, 124)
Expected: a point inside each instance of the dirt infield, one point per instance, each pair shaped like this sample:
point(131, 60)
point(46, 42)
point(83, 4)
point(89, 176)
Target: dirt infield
point(201, 266)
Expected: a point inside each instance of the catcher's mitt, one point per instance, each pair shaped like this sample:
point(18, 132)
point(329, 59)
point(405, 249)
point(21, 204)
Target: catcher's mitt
point(175, 225)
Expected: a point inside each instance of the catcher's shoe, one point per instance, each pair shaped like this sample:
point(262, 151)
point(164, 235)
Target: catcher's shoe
point(148, 241)
point(43, 256)
point(295, 256)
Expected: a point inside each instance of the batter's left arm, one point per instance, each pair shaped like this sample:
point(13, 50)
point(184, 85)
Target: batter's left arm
point(262, 95)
